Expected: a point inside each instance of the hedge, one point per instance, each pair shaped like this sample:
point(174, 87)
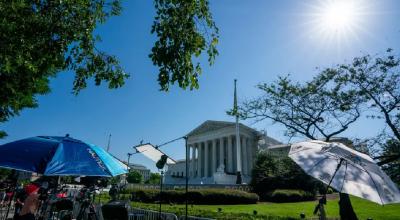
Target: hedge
point(288, 195)
point(203, 196)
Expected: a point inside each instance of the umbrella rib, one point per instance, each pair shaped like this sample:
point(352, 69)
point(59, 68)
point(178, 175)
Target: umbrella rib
point(377, 190)
point(107, 169)
point(326, 157)
point(298, 151)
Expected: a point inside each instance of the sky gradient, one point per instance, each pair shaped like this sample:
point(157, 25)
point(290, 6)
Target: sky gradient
point(259, 40)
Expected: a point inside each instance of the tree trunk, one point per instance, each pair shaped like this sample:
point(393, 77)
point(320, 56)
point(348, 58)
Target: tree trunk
point(345, 208)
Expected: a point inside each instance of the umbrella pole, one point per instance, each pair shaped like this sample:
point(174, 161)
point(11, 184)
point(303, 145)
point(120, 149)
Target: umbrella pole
point(333, 176)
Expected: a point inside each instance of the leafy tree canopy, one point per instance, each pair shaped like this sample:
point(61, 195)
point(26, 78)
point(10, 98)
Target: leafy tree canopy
point(39, 39)
point(376, 81)
point(154, 178)
point(272, 172)
point(134, 177)
point(334, 99)
point(184, 29)
point(315, 109)
point(390, 159)
point(4, 173)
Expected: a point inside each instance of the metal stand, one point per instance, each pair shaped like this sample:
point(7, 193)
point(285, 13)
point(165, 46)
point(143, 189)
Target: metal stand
point(187, 178)
point(127, 168)
point(161, 184)
point(187, 172)
point(337, 168)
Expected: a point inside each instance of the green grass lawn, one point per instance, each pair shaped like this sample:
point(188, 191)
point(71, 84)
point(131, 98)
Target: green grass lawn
point(364, 209)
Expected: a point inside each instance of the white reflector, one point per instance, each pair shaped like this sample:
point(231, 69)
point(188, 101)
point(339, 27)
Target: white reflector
point(152, 153)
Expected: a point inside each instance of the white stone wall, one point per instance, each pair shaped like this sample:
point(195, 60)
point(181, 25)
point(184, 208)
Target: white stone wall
point(215, 149)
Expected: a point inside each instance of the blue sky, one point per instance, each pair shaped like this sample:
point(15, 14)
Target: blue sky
point(259, 40)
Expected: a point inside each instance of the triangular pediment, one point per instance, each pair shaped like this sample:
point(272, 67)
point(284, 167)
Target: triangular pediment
point(209, 126)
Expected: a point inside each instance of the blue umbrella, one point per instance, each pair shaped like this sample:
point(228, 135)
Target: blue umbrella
point(59, 156)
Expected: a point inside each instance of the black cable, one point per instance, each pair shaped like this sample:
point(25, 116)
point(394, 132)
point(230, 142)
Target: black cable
point(168, 142)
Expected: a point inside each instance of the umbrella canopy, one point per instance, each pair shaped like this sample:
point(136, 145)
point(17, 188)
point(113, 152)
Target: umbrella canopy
point(346, 170)
point(59, 156)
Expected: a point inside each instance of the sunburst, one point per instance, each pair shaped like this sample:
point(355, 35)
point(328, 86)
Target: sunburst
point(337, 22)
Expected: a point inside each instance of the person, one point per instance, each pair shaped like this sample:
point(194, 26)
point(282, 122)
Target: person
point(9, 194)
point(113, 193)
point(62, 194)
point(31, 203)
point(319, 208)
point(3, 188)
point(346, 210)
point(20, 197)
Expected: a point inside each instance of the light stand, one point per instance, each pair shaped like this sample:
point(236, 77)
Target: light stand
point(187, 169)
point(160, 165)
point(129, 157)
point(161, 184)
point(187, 177)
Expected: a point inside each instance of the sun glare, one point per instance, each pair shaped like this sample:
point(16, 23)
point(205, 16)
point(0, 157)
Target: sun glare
point(336, 23)
point(338, 15)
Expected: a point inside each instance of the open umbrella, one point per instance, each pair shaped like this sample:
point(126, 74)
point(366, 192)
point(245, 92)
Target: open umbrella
point(59, 156)
point(346, 170)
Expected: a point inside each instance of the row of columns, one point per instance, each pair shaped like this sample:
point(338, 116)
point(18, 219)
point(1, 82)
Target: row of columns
point(207, 156)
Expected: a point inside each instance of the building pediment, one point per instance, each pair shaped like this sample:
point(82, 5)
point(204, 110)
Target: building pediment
point(210, 126)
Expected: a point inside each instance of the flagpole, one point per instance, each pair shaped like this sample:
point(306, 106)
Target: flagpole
point(108, 145)
point(238, 147)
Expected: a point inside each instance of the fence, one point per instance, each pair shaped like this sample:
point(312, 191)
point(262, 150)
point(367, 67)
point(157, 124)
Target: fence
point(245, 188)
point(194, 218)
point(144, 214)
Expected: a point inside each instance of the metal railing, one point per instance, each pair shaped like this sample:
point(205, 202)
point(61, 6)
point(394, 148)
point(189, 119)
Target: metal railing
point(144, 214)
point(194, 218)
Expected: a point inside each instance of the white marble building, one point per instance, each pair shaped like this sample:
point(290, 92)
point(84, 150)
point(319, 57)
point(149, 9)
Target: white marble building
point(213, 157)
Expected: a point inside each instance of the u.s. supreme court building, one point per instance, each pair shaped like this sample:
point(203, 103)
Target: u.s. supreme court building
point(212, 157)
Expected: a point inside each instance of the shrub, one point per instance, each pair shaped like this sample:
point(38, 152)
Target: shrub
point(322, 190)
point(205, 196)
point(134, 177)
point(272, 172)
point(288, 195)
point(145, 195)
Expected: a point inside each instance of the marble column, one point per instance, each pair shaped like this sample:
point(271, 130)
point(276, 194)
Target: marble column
point(206, 159)
point(221, 152)
point(251, 152)
point(199, 157)
point(214, 156)
point(193, 167)
point(230, 155)
point(244, 155)
point(249, 157)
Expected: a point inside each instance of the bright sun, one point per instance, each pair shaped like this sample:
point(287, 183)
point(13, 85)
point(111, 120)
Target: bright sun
point(337, 21)
point(338, 15)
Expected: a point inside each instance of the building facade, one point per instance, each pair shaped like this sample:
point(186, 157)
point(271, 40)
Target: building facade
point(212, 154)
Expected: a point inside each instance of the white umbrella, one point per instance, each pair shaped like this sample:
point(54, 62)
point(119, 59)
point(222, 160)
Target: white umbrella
point(346, 170)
